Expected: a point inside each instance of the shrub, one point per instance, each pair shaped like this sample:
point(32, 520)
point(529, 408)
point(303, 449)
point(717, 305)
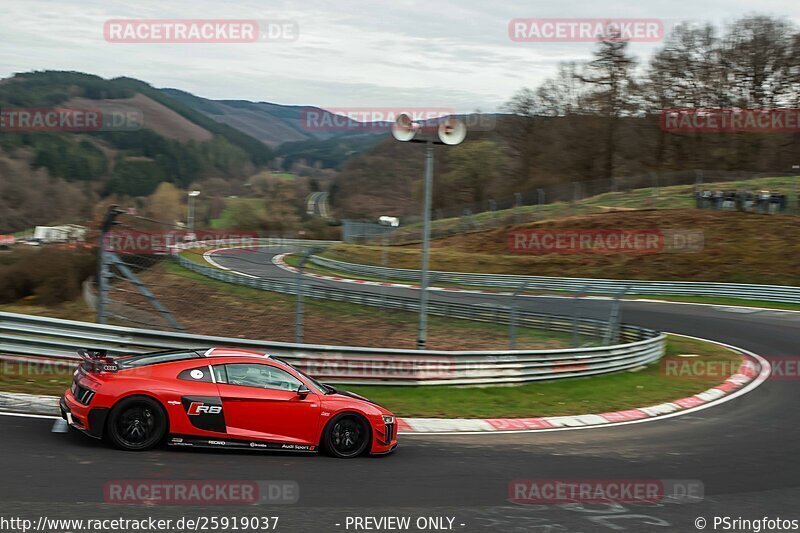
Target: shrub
point(50, 275)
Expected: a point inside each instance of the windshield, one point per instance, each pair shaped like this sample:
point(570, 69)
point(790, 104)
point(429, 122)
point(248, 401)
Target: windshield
point(326, 389)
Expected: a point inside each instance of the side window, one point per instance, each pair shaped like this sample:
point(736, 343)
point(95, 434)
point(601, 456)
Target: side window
point(261, 376)
point(196, 374)
point(220, 376)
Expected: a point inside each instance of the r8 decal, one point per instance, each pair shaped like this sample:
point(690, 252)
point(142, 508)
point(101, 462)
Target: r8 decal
point(205, 412)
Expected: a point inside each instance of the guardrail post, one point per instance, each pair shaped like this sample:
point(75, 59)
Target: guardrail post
point(102, 284)
point(384, 262)
point(512, 319)
point(102, 264)
point(299, 310)
point(612, 329)
point(576, 316)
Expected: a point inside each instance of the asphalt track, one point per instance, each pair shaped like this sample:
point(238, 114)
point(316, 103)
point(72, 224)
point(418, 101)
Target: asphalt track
point(744, 452)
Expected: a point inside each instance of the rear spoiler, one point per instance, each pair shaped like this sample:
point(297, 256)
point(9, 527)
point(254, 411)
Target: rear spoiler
point(97, 360)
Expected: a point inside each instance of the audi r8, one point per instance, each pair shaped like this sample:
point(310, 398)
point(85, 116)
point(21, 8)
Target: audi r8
point(220, 398)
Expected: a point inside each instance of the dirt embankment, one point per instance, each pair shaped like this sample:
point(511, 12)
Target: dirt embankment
point(736, 248)
point(213, 308)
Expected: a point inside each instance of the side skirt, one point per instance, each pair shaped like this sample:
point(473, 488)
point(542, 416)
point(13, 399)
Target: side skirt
point(235, 444)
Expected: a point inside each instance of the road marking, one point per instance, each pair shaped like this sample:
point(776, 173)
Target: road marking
point(207, 257)
point(60, 426)
point(28, 415)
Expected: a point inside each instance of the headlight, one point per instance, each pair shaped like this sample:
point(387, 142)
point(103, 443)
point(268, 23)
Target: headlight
point(388, 419)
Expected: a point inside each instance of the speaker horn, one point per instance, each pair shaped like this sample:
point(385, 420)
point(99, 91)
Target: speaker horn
point(404, 129)
point(452, 131)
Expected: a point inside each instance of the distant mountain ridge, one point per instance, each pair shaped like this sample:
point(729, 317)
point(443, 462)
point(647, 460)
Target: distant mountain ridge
point(272, 124)
point(173, 142)
point(276, 124)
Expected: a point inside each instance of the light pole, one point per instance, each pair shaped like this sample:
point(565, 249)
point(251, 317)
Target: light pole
point(451, 131)
point(190, 219)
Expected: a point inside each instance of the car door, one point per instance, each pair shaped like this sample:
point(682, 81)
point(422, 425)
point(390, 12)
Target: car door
point(261, 402)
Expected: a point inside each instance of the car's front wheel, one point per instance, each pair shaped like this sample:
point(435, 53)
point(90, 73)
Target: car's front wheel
point(347, 436)
point(137, 424)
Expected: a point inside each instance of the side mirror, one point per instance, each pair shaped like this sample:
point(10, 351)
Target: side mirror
point(303, 391)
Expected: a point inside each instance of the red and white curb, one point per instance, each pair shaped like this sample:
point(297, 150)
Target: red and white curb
point(753, 371)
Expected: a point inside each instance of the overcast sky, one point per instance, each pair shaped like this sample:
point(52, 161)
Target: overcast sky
point(448, 53)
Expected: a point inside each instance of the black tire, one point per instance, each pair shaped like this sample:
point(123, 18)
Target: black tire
point(136, 424)
point(347, 436)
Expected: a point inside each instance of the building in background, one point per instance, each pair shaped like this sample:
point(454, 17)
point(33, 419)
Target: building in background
point(64, 233)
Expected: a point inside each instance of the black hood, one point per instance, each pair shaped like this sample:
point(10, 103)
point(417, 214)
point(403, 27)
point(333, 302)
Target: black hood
point(356, 396)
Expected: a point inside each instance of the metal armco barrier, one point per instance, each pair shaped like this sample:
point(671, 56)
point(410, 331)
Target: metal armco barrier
point(255, 241)
point(772, 293)
point(497, 314)
point(55, 339)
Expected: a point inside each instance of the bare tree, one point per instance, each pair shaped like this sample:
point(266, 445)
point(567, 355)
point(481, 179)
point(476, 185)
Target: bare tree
point(610, 74)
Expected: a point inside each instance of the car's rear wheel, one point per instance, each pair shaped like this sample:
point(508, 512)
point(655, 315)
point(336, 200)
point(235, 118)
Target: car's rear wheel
point(347, 436)
point(137, 424)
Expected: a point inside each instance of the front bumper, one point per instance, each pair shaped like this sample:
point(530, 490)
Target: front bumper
point(387, 452)
point(385, 439)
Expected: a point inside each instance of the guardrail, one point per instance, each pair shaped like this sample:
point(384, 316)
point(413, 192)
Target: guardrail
point(481, 313)
point(773, 293)
point(59, 339)
point(254, 241)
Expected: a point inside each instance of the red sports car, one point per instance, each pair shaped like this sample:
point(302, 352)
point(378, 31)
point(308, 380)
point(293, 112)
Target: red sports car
point(220, 398)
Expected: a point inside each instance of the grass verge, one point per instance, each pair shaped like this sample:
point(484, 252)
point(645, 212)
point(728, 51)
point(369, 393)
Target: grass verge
point(613, 392)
